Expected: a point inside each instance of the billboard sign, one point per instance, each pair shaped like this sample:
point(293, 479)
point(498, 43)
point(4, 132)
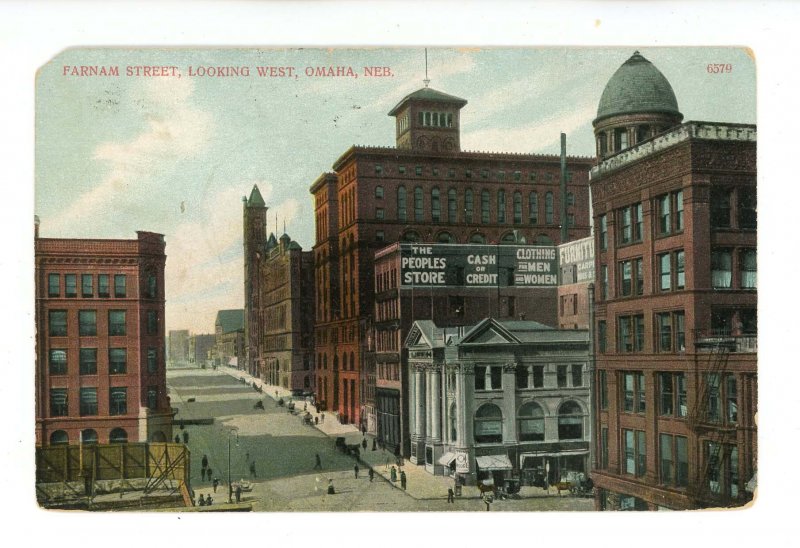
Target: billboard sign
point(458, 265)
point(576, 261)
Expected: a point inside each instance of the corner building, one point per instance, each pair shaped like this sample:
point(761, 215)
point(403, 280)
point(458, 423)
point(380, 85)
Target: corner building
point(100, 364)
point(675, 238)
point(423, 190)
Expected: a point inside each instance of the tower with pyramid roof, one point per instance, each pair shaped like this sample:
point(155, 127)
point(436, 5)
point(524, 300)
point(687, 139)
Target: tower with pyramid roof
point(254, 212)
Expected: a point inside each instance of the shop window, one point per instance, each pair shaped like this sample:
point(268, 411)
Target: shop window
point(58, 402)
point(570, 421)
point(58, 361)
point(88, 361)
point(531, 422)
point(488, 424)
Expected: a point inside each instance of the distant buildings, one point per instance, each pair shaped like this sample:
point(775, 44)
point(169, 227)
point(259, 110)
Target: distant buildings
point(500, 401)
point(178, 346)
point(229, 334)
point(279, 303)
point(201, 349)
point(423, 190)
point(676, 324)
point(100, 364)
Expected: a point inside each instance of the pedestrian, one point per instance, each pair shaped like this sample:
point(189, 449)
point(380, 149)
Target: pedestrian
point(393, 474)
point(331, 490)
point(208, 473)
point(305, 406)
point(355, 469)
point(322, 420)
point(318, 462)
point(202, 501)
point(253, 469)
point(371, 474)
point(316, 421)
point(209, 500)
point(215, 483)
point(403, 480)
point(205, 461)
point(373, 444)
point(451, 497)
point(202, 474)
point(364, 443)
point(177, 438)
point(238, 493)
point(185, 436)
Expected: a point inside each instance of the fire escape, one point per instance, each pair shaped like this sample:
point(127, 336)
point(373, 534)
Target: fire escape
point(709, 420)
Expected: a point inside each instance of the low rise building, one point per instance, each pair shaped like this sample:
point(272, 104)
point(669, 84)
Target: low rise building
point(229, 338)
point(200, 349)
point(178, 346)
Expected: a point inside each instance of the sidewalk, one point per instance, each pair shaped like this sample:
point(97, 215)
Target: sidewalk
point(420, 484)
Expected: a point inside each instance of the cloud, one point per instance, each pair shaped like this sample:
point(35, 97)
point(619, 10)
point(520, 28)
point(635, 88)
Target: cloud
point(205, 265)
point(174, 130)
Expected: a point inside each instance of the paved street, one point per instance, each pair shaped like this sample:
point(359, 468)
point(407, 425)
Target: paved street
point(284, 449)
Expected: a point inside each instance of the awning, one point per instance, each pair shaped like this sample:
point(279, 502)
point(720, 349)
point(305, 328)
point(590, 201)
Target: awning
point(494, 462)
point(525, 456)
point(447, 458)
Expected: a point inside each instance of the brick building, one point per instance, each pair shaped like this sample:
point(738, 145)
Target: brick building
point(675, 239)
point(229, 338)
point(423, 190)
point(100, 364)
point(575, 275)
point(280, 306)
point(200, 348)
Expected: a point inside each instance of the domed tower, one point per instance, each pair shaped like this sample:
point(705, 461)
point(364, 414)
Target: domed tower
point(637, 103)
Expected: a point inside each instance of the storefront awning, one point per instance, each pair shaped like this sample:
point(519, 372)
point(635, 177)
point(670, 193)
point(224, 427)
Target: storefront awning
point(494, 462)
point(528, 464)
point(447, 458)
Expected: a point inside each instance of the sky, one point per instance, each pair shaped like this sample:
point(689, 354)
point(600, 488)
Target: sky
point(175, 155)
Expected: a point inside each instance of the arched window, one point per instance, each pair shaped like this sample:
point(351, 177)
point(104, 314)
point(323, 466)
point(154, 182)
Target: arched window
point(477, 238)
point(452, 206)
point(344, 361)
point(531, 422)
point(436, 206)
point(501, 206)
point(158, 437)
point(453, 424)
point(570, 421)
point(379, 192)
point(445, 238)
point(402, 214)
point(118, 435)
point(418, 203)
point(325, 362)
point(517, 208)
point(410, 236)
point(469, 205)
point(59, 437)
point(533, 208)
point(548, 208)
point(485, 206)
point(508, 238)
point(352, 362)
point(488, 424)
point(335, 362)
point(88, 436)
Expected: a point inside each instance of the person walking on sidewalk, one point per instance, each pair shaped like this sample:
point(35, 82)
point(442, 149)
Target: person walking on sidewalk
point(318, 463)
point(253, 469)
point(403, 480)
point(355, 470)
point(371, 474)
point(185, 436)
point(451, 498)
point(238, 493)
point(393, 474)
point(364, 443)
point(215, 483)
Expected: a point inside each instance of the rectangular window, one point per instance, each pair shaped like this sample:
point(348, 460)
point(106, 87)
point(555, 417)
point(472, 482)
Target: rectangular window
point(501, 206)
point(664, 214)
point(631, 333)
point(152, 322)
point(640, 394)
point(664, 326)
point(747, 264)
point(602, 335)
point(58, 402)
point(117, 360)
point(603, 390)
point(87, 289)
point(680, 270)
point(418, 170)
point(452, 206)
point(451, 172)
point(639, 288)
point(533, 208)
point(120, 285)
point(58, 361)
point(604, 448)
point(667, 458)
point(152, 397)
point(57, 320)
point(626, 278)
point(641, 453)
point(88, 361)
point(88, 401)
point(633, 392)
point(561, 376)
point(71, 285)
point(746, 211)
point(720, 208)
point(667, 393)
point(469, 205)
point(603, 282)
point(517, 175)
point(630, 451)
point(480, 378)
point(380, 236)
point(721, 268)
point(664, 261)
point(522, 377)
point(538, 376)
point(152, 360)
point(102, 286)
point(402, 169)
point(577, 375)
point(118, 401)
point(731, 400)
point(379, 213)
point(682, 460)
point(485, 206)
point(484, 174)
point(87, 323)
point(54, 285)
point(116, 322)
point(497, 378)
point(603, 232)
point(682, 406)
point(714, 398)
point(378, 169)
point(678, 210)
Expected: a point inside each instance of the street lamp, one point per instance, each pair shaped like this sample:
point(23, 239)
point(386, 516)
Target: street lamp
point(230, 487)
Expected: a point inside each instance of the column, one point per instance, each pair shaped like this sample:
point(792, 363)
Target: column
point(509, 404)
point(419, 385)
point(412, 405)
point(466, 385)
point(428, 403)
point(460, 426)
point(436, 403)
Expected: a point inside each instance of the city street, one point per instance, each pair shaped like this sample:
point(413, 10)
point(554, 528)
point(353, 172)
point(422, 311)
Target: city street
point(283, 450)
